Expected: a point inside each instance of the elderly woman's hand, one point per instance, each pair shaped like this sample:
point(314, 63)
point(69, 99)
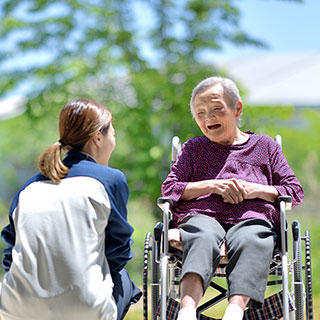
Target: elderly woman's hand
point(234, 191)
point(264, 192)
point(231, 190)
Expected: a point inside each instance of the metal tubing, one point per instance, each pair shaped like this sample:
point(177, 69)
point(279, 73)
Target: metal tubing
point(164, 260)
point(176, 146)
point(284, 250)
point(278, 138)
point(285, 290)
point(164, 286)
point(284, 228)
point(166, 213)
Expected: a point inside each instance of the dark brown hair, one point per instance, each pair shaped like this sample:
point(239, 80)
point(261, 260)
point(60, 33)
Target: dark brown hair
point(79, 120)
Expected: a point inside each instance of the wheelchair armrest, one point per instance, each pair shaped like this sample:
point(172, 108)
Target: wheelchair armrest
point(285, 203)
point(287, 200)
point(157, 231)
point(162, 200)
point(164, 203)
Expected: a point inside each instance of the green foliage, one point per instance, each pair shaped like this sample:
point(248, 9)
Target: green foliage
point(99, 49)
point(21, 140)
point(300, 132)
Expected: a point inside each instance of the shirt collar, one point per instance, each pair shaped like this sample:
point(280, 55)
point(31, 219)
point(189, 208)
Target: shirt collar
point(74, 156)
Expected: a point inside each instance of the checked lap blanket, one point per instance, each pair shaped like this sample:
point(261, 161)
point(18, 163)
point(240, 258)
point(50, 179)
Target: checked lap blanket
point(271, 310)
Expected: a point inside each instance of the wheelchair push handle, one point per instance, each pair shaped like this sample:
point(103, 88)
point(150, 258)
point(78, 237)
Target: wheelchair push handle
point(176, 148)
point(278, 139)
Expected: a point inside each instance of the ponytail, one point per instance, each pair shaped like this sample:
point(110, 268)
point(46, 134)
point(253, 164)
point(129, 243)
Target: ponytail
point(79, 120)
point(50, 163)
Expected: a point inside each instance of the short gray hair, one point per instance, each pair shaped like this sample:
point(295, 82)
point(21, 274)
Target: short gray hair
point(229, 89)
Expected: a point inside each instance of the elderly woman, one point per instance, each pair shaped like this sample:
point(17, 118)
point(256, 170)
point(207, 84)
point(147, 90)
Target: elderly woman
point(68, 239)
point(225, 185)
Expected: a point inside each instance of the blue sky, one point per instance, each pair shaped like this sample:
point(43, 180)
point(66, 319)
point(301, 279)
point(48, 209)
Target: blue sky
point(285, 25)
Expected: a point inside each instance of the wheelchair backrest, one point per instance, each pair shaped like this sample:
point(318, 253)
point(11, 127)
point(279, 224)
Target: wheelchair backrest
point(176, 148)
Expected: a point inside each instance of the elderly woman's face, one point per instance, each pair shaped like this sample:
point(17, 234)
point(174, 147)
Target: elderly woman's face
point(216, 119)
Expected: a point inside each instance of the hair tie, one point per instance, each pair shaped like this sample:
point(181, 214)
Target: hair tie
point(62, 143)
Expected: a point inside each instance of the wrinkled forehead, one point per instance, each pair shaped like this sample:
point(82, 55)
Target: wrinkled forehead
point(214, 93)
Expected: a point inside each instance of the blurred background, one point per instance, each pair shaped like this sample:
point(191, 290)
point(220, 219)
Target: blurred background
point(142, 58)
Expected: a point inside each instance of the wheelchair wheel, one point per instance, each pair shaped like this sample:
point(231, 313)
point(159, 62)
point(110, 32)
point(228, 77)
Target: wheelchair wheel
point(308, 277)
point(297, 272)
point(145, 274)
point(155, 283)
point(149, 245)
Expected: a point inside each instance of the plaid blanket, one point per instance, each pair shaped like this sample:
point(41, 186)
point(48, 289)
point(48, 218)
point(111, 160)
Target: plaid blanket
point(271, 310)
point(221, 272)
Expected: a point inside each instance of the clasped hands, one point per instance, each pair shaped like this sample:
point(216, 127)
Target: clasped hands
point(235, 191)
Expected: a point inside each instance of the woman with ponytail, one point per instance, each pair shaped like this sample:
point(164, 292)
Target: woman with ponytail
point(68, 239)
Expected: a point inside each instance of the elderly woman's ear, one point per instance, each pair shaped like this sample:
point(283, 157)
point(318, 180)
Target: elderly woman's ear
point(238, 108)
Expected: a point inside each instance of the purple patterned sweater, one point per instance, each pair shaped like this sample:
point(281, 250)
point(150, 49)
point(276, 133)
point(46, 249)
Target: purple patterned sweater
point(258, 160)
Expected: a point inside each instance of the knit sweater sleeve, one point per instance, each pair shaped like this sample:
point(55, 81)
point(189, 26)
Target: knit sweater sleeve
point(284, 179)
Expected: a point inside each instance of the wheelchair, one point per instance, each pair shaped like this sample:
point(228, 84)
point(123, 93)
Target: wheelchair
point(162, 268)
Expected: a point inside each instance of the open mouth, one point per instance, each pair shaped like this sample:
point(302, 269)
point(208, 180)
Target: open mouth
point(214, 126)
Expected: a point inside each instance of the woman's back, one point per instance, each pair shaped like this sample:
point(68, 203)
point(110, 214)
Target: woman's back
point(68, 218)
point(68, 239)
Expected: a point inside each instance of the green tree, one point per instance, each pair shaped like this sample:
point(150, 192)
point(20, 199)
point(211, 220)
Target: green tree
point(141, 58)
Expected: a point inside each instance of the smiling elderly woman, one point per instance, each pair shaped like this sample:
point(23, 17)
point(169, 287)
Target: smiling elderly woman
point(225, 185)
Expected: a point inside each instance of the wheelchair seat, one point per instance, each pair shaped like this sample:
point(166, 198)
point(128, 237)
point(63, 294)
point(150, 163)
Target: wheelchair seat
point(176, 243)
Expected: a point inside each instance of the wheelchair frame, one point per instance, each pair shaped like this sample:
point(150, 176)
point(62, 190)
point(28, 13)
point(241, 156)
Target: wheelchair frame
point(165, 266)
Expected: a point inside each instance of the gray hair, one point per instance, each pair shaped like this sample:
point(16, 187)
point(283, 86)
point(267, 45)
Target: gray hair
point(230, 90)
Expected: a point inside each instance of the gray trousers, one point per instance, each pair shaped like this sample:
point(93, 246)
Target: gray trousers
point(250, 247)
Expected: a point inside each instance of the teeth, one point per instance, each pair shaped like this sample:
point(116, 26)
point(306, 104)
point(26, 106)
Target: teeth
point(213, 126)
